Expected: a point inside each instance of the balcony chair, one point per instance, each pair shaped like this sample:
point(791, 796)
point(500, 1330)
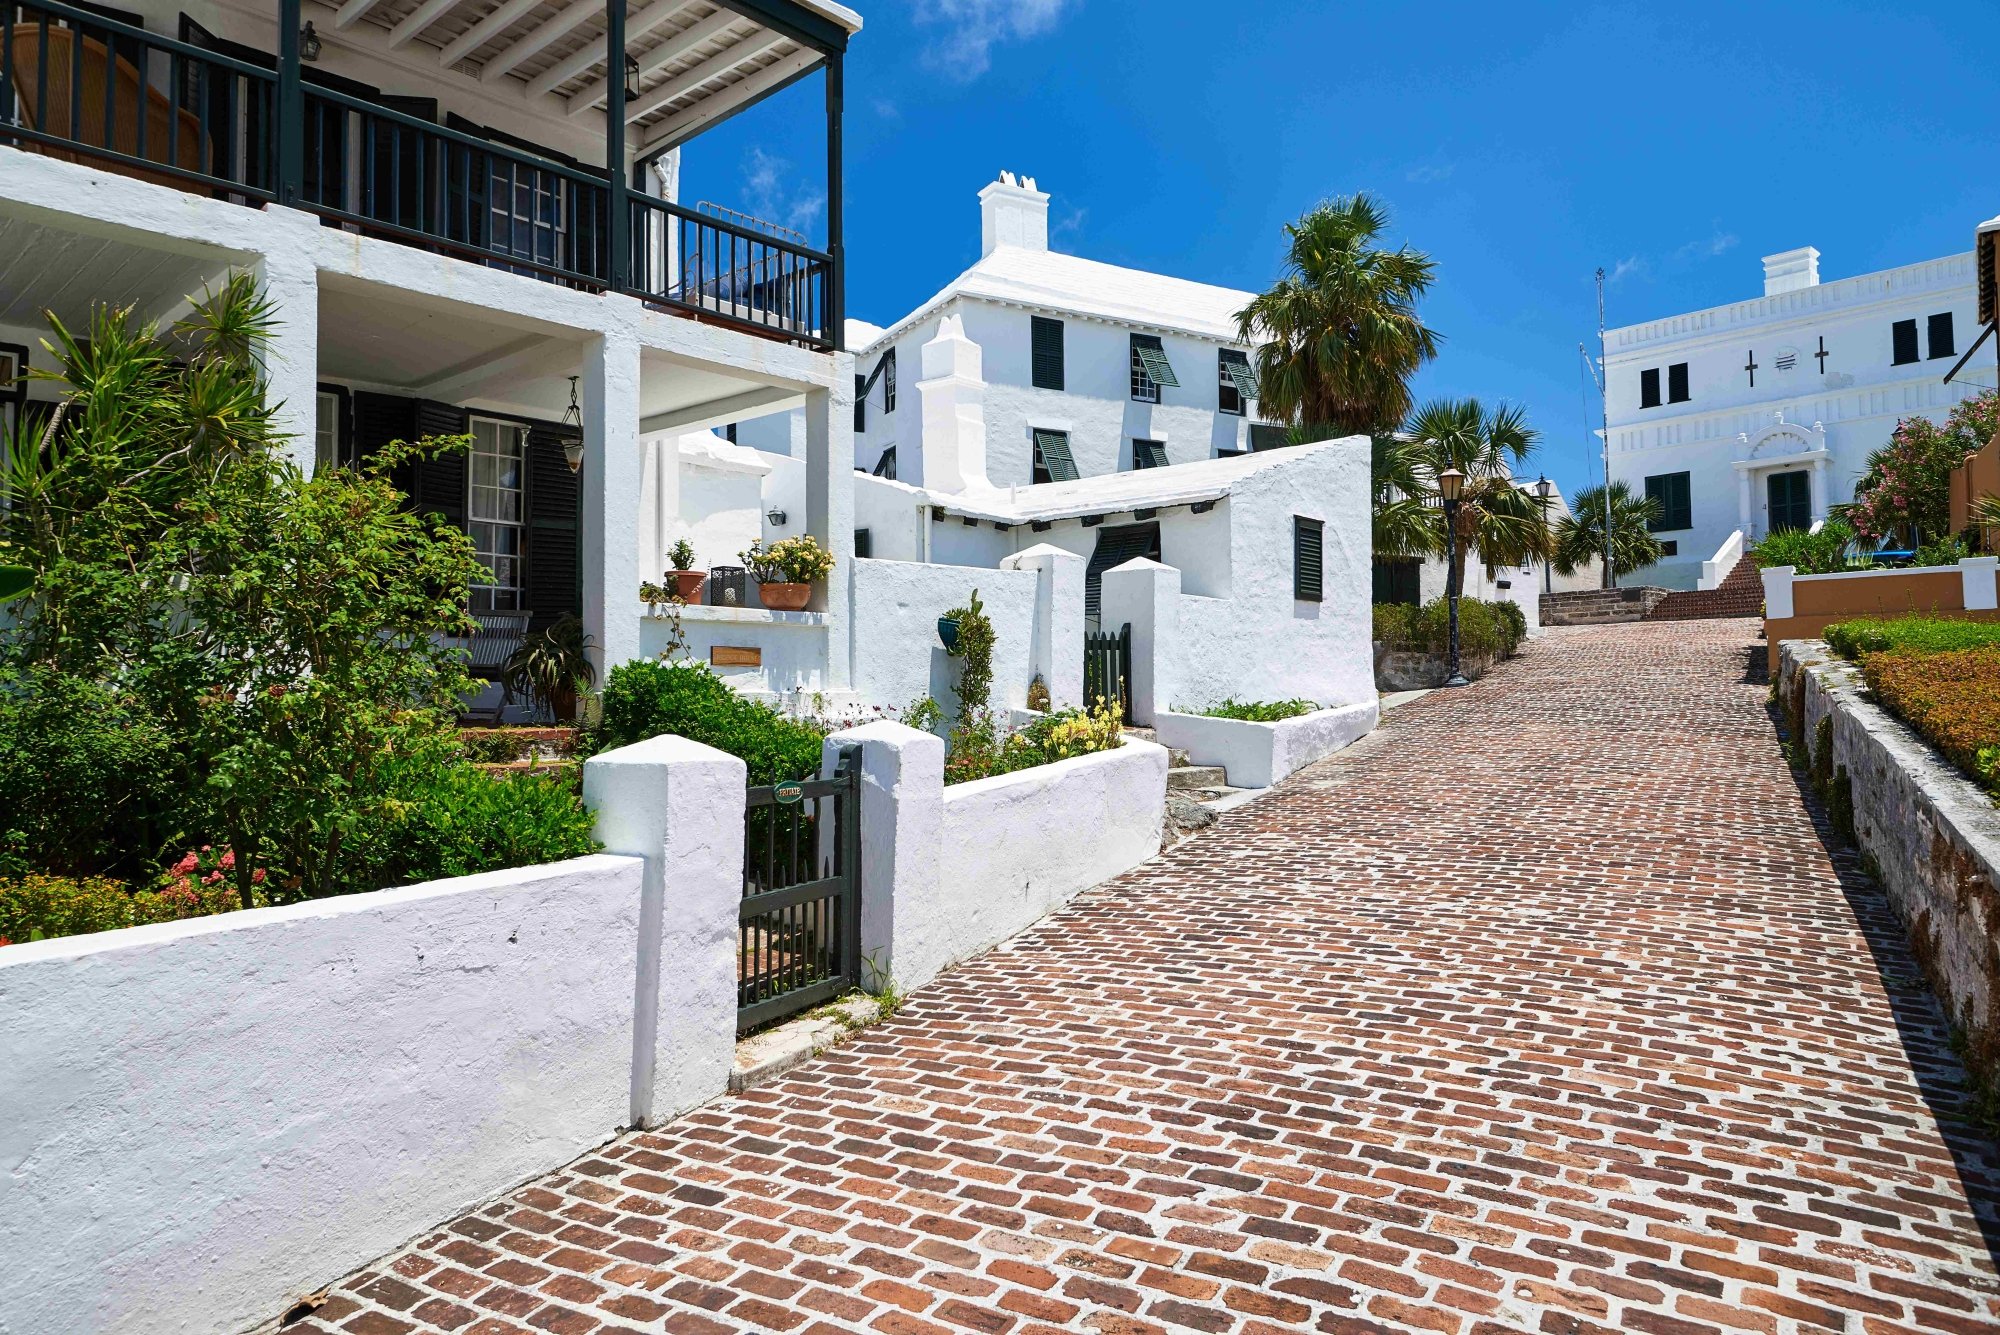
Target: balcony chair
point(161, 114)
point(489, 648)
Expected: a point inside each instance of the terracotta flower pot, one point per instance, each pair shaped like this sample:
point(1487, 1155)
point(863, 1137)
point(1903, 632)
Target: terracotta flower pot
point(785, 597)
point(687, 583)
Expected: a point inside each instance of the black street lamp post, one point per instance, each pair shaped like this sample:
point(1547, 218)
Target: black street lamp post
point(1451, 484)
point(1544, 489)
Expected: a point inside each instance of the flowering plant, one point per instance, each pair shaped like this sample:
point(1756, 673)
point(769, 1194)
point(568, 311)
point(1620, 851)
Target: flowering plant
point(799, 560)
point(1906, 491)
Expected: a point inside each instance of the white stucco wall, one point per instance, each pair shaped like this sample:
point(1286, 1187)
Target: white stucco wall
point(793, 645)
point(893, 515)
point(897, 656)
point(1257, 755)
point(202, 1118)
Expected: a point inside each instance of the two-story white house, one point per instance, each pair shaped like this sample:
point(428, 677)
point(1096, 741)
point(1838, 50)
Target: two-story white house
point(1760, 414)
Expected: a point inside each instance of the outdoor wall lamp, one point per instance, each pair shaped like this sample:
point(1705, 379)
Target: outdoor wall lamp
point(631, 77)
point(776, 516)
point(573, 418)
point(1451, 485)
point(308, 42)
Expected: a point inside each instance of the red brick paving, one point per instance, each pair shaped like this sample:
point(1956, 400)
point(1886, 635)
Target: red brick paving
point(1544, 1009)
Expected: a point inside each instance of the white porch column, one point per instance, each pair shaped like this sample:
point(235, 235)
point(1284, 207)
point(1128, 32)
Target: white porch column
point(1147, 595)
point(1058, 651)
point(906, 930)
point(830, 509)
point(613, 473)
point(1743, 516)
point(1819, 489)
point(290, 279)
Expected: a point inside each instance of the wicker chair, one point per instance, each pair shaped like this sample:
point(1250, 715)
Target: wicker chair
point(87, 128)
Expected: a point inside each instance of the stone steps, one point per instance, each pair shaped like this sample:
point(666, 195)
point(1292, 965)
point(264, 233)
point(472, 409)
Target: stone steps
point(1741, 594)
point(1599, 607)
point(1192, 778)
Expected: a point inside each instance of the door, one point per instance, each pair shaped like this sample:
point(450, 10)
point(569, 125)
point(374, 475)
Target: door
point(1788, 499)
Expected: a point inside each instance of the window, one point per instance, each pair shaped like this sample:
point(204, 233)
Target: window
point(1677, 383)
point(1116, 546)
point(498, 452)
point(860, 402)
point(1398, 580)
point(1308, 544)
point(1149, 454)
point(1942, 343)
point(1269, 436)
point(330, 429)
point(1903, 340)
point(1236, 384)
point(1669, 491)
point(1150, 368)
point(1649, 387)
point(888, 374)
point(886, 465)
point(1046, 335)
point(864, 544)
point(1670, 548)
point(1052, 458)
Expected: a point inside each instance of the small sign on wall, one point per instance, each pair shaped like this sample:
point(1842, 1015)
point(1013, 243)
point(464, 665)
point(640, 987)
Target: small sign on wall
point(725, 655)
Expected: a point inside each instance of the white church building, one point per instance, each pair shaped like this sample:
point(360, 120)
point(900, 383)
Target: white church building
point(1761, 414)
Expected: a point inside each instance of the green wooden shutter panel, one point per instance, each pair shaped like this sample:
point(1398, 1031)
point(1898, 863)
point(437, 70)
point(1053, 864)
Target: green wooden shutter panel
point(1146, 347)
point(1054, 447)
point(1237, 367)
point(379, 419)
point(441, 481)
point(1047, 355)
point(1672, 493)
point(1649, 387)
point(553, 578)
point(1116, 546)
point(1149, 454)
point(1903, 334)
point(860, 402)
point(1269, 436)
point(1308, 542)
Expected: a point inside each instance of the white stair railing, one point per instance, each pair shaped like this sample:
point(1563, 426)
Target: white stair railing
point(1717, 568)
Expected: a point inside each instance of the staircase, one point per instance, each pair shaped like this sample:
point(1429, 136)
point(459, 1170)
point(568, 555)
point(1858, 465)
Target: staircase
point(1598, 607)
point(1741, 594)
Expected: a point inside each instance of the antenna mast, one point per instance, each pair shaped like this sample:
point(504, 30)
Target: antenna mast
point(1604, 421)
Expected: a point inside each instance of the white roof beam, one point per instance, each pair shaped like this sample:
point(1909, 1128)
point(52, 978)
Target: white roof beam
point(351, 13)
point(759, 402)
point(484, 31)
point(714, 108)
point(707, 30)
point(423, 16)
point(637, 23)
point(528, 43)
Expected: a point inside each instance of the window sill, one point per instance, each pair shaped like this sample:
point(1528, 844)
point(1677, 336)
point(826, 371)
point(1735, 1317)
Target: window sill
point(738, 616)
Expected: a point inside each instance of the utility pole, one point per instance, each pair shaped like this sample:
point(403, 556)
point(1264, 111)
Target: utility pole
point(1604, 422)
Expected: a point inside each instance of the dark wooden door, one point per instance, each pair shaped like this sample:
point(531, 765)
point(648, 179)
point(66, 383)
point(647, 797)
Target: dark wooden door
point(1789, 500)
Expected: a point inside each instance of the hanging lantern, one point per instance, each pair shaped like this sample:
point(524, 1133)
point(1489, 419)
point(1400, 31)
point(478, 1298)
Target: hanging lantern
point(631, 78)
point(573, 438)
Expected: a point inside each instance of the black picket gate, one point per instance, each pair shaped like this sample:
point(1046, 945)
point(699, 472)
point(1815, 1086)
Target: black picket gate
point(799, 924)
point(1107, 668)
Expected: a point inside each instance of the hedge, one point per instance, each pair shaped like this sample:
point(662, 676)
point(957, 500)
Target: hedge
point(1922, 634)
point(1485, 630)
point(1952, 698)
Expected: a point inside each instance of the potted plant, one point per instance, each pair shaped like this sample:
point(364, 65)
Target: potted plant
point(552, 666)
point(785, 570)
point(687, 580)
point(652, 595)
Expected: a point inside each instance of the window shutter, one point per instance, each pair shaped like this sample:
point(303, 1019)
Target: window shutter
point(860, 402)
point(864, 544)
point(1397, 581)
point(1903, 337)
point(1308, 546)
point(1269, 436)
point(1116, 546)
point(1649, 387)
point(1153, 358)
point(1149, 454)
point(1674, 496)
point(889, 381)
point(1046, 356)
point(1052, 447)
point(1236, 369)
point(441, 482)
point(553, 583)
point(886, 465)
point(1677, 383)
point(1942, 343)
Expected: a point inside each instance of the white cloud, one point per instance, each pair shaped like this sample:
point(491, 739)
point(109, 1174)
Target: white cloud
point(970, 29)
point(766, 196)
point(1068, 221)
point(1625, 268)
point(1429, 173)
point(1707, 249)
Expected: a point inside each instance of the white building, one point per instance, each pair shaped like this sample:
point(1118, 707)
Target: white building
point(1761, 414)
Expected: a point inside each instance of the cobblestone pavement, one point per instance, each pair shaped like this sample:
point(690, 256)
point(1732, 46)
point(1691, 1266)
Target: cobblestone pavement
point(1543, 1009)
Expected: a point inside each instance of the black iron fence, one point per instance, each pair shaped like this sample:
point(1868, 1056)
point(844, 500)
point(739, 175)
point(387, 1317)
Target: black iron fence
point(1107, 668)
point(799, 925)
point(709, 267)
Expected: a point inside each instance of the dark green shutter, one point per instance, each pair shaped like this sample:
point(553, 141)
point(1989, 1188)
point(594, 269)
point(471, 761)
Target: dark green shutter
point(886, 465)
point(1677, 383)
point(553, 582)
point(1903, 337)
point(1673, 495)
point(440, 485)
point(1308, 559)
point(1053, 447)
point(379, 419)
point(860, 402)
point(864, 544)
point(1236, 366)
point(1149, 454)
point(1941, 340)
point(1116, 546)
point(1397, 581)
point(1269, 436)
point(1047, 356)
point(1649, 387)
point(1153, 359)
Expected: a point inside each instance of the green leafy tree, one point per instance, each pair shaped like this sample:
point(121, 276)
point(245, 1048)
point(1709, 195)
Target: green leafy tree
point(1579, 536)
point(1906, 491)
point(1497, 520)
point(1338, 336)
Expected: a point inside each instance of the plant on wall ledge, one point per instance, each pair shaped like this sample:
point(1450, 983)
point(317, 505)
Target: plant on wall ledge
point(786, 570)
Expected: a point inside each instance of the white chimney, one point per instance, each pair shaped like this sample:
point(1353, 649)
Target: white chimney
point(952, 399)
point(1790, 270)
point(1013, 213)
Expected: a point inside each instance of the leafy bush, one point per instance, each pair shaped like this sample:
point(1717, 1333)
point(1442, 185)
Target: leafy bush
point(34, 906)
point(1484, 629)
point(646, 698)
point(454, 820)
point(1921, 634)
point(1952, 698)
point(797, 560)
point(1823, 553)
point(979, 752)
point(1941, 552)
point(1907, 487)
point(1260, 711)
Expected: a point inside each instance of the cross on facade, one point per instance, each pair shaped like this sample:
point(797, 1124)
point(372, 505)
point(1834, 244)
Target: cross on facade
point(1821, 354)
point(1750, 365)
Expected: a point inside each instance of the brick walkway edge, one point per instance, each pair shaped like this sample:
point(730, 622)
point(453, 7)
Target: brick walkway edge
point(1546, 1008)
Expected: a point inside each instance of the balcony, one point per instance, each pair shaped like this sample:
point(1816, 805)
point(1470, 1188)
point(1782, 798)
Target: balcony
point(260, 128)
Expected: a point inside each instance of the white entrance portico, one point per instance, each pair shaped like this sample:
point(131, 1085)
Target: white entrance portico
point(1780, 448)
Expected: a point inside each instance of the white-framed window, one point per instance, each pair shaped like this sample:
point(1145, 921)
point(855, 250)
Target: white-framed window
point(326, 431)
point(496, 509)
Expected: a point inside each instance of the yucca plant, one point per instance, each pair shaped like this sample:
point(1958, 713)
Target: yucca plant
point(552, 666)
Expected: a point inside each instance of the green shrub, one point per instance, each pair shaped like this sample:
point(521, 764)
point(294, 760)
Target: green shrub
point(1823, 553)
point(1260, 711)
point(34, 907)
point(454, 819)
point(1922, 634)
point(1485, 630)
point(1951, 697)
point(646, 698)
point(978, 751)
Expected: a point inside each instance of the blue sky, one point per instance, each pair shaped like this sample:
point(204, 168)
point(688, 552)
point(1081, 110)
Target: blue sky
point(1521, 145)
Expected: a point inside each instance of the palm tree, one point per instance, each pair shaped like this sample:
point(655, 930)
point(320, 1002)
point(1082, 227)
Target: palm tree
point(1497, 518)
point(1338, 336)
point(1579, 538)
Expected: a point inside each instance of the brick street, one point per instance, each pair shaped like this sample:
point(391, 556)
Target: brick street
point(1545, 1008)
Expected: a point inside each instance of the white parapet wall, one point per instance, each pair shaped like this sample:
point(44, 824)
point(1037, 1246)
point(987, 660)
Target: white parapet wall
point(949, 872)
point(1717, 568)
point(203, 1120)
point(898, 657)
point(1257, 755)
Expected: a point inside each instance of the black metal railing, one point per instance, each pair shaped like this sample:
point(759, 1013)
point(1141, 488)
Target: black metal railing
point(799, 924)
point(1107, 669)
point(76, 85)
point(716, 269)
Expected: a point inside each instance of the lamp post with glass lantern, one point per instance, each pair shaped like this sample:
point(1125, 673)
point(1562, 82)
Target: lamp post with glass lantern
point(1451, 485)
point(1544, 489)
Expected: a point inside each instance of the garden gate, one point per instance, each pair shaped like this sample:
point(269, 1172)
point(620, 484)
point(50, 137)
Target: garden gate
point(799, 925)
point(1107, 668)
